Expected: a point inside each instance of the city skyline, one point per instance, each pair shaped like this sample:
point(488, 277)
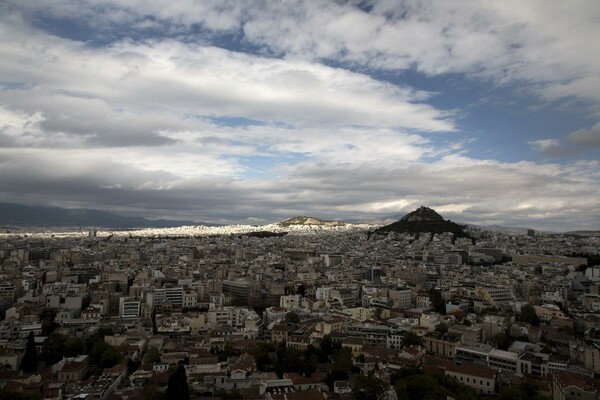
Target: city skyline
point(253, 112)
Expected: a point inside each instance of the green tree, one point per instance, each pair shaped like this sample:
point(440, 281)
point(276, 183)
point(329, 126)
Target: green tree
point(527, 390)
point(335, 375)
point(132, 366)
point(437, 301)
point(152, 356)
point(150, 390)
point(54, 348)
point(413, 383)
point(30, 358)
point(528, 315)
point(177, 388)
point(502, 341)
point(328, 346)
point(6, 394)
point(342, 360)
point(369, 388)
point(103, 355)
point(292, 317)
point(316, 351)
point(262, 356)
point(47, 316)
point(410, 339)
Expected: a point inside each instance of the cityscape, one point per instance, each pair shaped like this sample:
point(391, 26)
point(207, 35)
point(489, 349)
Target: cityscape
point(299, 200)
point(301, 309)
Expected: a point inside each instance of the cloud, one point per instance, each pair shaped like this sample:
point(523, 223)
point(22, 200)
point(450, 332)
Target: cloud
point(194, 79)
point(580, 141)
point(550, 47)
point(543, 196)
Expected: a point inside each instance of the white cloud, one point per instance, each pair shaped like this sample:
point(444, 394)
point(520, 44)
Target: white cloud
point(580, 141)
point(550, 45)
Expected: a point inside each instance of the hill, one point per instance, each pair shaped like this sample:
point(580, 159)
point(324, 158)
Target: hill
point(21, 215)
point(310, 221)
point(423, 219)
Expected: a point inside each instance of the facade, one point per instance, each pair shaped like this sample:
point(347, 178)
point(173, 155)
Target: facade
point(129, 307)
point(503, 360)
point(480, 378)
point(570, 386)
point(442, 344)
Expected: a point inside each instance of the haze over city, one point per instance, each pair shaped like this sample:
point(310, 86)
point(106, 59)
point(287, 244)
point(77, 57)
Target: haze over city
point(252, 112)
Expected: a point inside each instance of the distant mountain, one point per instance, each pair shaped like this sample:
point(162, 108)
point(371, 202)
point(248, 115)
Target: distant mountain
point(21, 215)
point(423, 219)
point(310, 221)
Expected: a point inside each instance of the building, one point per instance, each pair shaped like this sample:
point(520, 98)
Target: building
point(129, 307)
point(503, 360)
point(495, 295)
point(402, 298)
point(478, 377)
point(474, 353)
point(373, 334)
point(571, 386)
point(236, 288)
point(443, 344)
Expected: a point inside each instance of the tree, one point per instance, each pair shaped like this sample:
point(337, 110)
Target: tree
point(369, 388)
point(301, 290)
point(502, 341)
point(47, 316)
point(527, 390)
point(335, 375)
point(132, 366)
point(30, 358)
point(103, 355)
point(261, 356)
point(328, 346)
point(54, 348)
point(292, 317)
point(342, 360)
point(412, 383)
point(437, 301)
point(177, 388)
point(6, 394)
point(410, 339)
point(528, 315)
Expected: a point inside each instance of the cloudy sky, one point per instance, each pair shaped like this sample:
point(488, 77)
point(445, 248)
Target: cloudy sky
point(255, 111)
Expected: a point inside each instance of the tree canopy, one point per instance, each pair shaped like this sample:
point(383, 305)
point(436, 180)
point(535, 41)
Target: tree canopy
point(29, 362)
point(177, 388)
point(528, 315)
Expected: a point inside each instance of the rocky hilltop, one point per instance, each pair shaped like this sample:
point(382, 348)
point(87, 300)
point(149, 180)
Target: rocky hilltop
point(424, 219)
point(310, 221)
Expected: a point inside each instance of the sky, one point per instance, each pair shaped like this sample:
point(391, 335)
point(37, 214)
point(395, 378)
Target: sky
point(255, 111)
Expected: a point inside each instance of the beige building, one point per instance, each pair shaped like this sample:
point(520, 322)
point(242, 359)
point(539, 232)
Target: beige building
point(480, 378)
point(592, 357)
point(442, 344)
point(360, 313)
point(570, 386)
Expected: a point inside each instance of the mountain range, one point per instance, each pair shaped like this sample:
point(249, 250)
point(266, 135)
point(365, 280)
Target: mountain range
point(22, 215)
